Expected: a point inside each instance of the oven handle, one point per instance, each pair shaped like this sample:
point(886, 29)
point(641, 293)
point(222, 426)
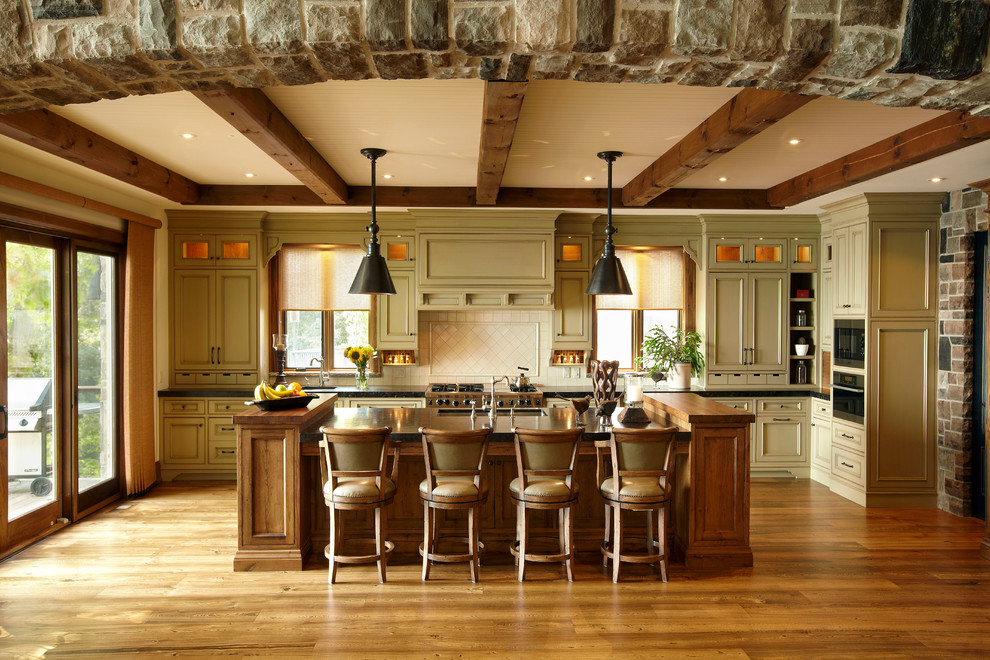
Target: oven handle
point(857, 390)
point(3, 413)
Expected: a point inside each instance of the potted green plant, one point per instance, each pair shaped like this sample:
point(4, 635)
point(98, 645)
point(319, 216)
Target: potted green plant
point(679, 354)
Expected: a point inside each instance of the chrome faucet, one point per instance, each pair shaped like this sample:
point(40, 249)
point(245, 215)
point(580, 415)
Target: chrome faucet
point(322, 373)
point(491, 411)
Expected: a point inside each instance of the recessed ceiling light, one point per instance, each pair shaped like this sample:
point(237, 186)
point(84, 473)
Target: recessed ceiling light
point(794, 141)
point(723, 179)
point(249, 175)
point(388, 176)
point(188, 136)
point(937, 179)
point(587, 178)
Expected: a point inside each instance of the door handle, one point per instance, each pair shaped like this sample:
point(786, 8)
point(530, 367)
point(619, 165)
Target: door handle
point(212, 348)
point(3, 414)
point(218, 355)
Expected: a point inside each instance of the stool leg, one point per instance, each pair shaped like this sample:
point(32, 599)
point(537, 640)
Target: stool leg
point(334, 543)
point(381, 528)
point(427, 543)
point(473, 521)
point(521, 522)
point(662, 541)
point(650, 535)
point(616, 543)
point(570, 544)
point(608, 533)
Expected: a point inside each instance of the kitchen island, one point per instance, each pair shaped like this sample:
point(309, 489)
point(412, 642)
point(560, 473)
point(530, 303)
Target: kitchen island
point(282, 511)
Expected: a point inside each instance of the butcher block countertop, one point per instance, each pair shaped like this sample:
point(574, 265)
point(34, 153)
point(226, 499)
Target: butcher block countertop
point(299, 417)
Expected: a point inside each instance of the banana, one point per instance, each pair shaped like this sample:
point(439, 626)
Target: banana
point(259, 392)
point(274, 394)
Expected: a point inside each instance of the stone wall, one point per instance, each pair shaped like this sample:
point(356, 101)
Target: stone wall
point(60, 51)
point(964, 212)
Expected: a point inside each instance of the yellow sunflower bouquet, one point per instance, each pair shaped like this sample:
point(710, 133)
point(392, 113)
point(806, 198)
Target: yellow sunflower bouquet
point(359, 356)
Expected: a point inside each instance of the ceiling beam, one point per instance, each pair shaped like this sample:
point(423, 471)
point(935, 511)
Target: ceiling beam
point(60, 137)
point(939, 136)
point(257, 119)
point(748, 113)
point(500, 114)
point(451, 197)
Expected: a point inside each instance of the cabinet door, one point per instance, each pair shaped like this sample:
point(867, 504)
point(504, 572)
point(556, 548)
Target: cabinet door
point(193, 250)
point(804, 254)
point(828, 251)
point(397, 314)
point(904, 270)
point(573, 252)
point(194, 320)
point(237, 320)
point(821, 442)
point(766, 322)
point(850, 270)
point(183, 441)
point(236, 250)
point(727, 318)
point(826, 294)
point(767, 254)
point(398, 251)
point(572, 310)
point(780, 440)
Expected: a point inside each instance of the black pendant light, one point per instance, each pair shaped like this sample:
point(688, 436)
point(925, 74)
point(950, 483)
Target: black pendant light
point(372, 275)
point(608, 276)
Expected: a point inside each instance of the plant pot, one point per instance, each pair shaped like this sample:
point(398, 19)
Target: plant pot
point(801, 349)
point(679, 376)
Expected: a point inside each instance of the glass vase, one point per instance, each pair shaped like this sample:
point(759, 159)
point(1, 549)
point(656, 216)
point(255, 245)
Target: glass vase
point(361, 379)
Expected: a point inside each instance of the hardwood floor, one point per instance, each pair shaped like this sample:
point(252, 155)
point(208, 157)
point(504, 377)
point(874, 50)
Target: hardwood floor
point(830, 580)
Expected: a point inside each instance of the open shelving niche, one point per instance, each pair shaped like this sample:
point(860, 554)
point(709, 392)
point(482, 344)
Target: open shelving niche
point(801, 282)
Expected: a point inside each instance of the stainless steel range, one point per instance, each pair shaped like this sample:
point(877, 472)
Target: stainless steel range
point(462, 395)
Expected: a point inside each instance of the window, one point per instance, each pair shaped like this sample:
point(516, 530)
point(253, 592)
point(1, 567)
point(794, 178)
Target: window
point(318, 316)
point(660, 288)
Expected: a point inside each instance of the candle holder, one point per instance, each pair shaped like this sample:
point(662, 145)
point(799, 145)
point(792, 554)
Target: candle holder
point(278, 343)
point(633, 394)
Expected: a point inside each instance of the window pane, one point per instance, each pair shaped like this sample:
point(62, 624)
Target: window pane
point(350, 328)
point(303, 338)
point(31, 389)
point(96, 372)
point(614, 340)
point(668, 319)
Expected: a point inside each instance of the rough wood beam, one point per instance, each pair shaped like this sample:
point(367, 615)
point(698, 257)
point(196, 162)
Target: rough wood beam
point(942, 135)
point(41, 190)
point(60, 137)
point(750, 112)
point(500, 114)
point(444, 197)
point(257, 119)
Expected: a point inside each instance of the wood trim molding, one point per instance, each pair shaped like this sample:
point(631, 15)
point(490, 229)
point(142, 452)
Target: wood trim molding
point(41, 190)
point(55, 225)
point(60, 137)
point(942, 135)
point(500, 114)
point(259, 120)
point(747, 114)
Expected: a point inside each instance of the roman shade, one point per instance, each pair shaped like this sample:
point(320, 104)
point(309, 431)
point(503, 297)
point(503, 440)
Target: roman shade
point(656, 276)
point(317, 277)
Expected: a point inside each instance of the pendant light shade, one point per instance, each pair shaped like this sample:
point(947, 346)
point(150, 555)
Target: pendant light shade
point(372, 275)
point(608, 276)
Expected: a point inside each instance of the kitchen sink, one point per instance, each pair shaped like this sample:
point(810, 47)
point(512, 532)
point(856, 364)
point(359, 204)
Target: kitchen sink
point(502, 412)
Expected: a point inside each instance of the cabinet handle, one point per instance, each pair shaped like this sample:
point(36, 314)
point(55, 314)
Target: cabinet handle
point(846, 306)
point(218, 355)
point(200, 425)
point(847, 436)
point(226, 428)
point(227, 451)
point(212, 348)
point(781, 419)
point(846, 464)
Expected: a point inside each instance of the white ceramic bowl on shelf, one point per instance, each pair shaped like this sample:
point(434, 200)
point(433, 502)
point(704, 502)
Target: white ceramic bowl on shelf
point(801, 349)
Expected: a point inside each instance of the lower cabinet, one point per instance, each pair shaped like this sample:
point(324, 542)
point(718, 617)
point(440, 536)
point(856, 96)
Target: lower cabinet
point(779, 438)
point(848, 460)
point(198, 436)
point(821, 441)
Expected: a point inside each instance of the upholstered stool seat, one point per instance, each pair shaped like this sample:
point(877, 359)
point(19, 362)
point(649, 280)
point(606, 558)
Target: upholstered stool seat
point(545, 462)
point(642, 460)
point(353, 463)
point(455, 479)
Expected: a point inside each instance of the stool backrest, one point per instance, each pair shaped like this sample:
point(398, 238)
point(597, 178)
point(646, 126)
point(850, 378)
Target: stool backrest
point(604, 374)
point(542, 453)
point(455, 453)
point(642, 453)
point(356, 453)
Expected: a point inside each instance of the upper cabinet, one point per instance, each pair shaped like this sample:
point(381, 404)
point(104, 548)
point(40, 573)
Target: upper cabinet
point(903, 269)
point(397, 313)
point(850, 268)
point(399, 251)
point(573, 252)
point(747, 254)
point(746, 327)
point(572, 311)
point(214, 250)
point(804, 254)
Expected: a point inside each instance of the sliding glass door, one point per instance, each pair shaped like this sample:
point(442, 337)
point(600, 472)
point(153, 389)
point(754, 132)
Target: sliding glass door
point(59, 383)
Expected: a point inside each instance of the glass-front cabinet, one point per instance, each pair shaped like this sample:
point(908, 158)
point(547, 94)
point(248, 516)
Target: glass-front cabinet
point(747, 253)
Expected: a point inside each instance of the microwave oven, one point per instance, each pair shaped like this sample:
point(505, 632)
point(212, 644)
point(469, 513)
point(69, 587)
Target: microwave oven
point(849, 343)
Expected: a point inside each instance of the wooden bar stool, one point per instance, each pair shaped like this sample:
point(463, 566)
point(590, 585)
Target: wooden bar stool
point(353, 463)
point(642, 461)
point(545, 461)
point(455, 479)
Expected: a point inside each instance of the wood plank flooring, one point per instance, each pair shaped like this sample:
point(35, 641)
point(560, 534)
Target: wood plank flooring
point(830, 580)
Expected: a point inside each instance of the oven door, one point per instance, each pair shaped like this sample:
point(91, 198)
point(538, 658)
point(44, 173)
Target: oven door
point(848, 397)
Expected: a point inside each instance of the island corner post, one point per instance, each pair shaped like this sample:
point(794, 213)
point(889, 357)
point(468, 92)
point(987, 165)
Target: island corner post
point(278, 492)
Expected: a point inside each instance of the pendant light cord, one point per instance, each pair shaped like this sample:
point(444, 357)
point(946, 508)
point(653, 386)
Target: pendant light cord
point(373, 155)
point(609, 249)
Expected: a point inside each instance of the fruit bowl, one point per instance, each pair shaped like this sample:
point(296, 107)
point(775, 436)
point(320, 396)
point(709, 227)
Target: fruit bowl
point(285, 403)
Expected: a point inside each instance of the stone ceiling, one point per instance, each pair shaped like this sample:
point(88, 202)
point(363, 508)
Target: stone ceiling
point(928, 53)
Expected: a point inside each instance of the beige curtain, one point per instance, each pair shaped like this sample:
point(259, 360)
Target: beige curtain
point(318, 277)
point(656, 276)
point(139, 359)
